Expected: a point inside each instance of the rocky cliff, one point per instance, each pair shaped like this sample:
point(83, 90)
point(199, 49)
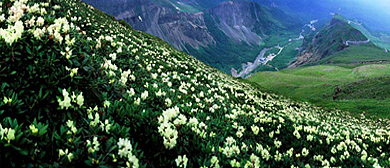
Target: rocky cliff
point(208, 31)
point(180, 29)
point(237, 20)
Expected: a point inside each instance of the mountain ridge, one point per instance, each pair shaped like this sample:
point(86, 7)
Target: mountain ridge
point(199, 32)
point(336, 36)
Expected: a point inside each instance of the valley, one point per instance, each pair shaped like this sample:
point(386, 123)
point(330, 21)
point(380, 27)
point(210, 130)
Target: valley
point(224, 35)
point(335, 72)
point(260, 60)
point(356, 88)
point(248, 68)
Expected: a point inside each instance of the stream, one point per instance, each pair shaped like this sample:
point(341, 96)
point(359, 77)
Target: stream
point(247, 68)
point(260, 59)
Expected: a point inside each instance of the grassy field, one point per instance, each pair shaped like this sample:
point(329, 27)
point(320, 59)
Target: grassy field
point(355, 54)
point(358, 88)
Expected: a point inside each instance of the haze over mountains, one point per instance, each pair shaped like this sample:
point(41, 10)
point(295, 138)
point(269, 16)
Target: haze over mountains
point(220, 34)
point(231, 35)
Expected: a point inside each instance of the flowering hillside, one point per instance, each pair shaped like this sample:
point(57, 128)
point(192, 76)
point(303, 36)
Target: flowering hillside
point(79, 88)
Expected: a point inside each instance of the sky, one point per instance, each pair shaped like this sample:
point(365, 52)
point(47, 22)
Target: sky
point(374, 12)
point(380, 4)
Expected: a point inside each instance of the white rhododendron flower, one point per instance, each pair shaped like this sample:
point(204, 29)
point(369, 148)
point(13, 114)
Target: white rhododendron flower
point(125, 151)
point(13, 33)
point(181, 161)
point(40, 21)
point(65, 103)
point(80, 99)
point(7, 134)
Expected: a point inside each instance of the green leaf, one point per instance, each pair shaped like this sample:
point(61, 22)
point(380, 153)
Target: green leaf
point(24, 152)
point(40, 93)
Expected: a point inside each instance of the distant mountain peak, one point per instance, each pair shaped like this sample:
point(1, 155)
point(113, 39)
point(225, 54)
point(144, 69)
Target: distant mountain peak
point(183, 25)
point(336, 36)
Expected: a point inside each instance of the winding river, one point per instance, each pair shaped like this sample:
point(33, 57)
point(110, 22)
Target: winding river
point(247, 68)
point(260, 59)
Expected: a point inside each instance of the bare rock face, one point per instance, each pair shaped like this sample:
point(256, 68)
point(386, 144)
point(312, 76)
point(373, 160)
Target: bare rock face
point(180, 29)
point(211, 30)
point(237, 20)
point(240, 21)
point(304, 58)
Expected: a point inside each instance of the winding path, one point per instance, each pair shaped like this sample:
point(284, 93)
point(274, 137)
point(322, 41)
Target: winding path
point(260, 59)
point(356, 42)
point(356, 23)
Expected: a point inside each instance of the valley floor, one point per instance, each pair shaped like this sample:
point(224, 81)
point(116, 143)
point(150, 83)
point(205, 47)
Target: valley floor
point(358, 88)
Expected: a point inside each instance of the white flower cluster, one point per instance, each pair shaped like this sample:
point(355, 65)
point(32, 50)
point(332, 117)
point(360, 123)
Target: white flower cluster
point(33, 129)
point(181, 161)
point(73, 129)
point(7, 100)
point(61, 25)
point(235, 163)
point(73, 71)
point(255, 129)
point(66, 102)
point(2, 18)
point(198, 128)
point(254, 162)
point(263, 151)
point(214, 162)
point(66, 153)
point(167, 129)
point(110, 67)
point(125, 151)
point(7, 134)
point(125, 76)
point(15, 27)
point(240, 131)
point(94, 116)
point(106, 126)
point(94, 146)
point(12, 33)
point(230, 149)
point(39, 22)
point(144, 95)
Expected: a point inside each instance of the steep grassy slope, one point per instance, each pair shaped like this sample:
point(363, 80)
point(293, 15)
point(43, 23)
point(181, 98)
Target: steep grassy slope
point(329, 40)
point(79, 88)
point(381, 40)
point(359, 88)
point(357, 54)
